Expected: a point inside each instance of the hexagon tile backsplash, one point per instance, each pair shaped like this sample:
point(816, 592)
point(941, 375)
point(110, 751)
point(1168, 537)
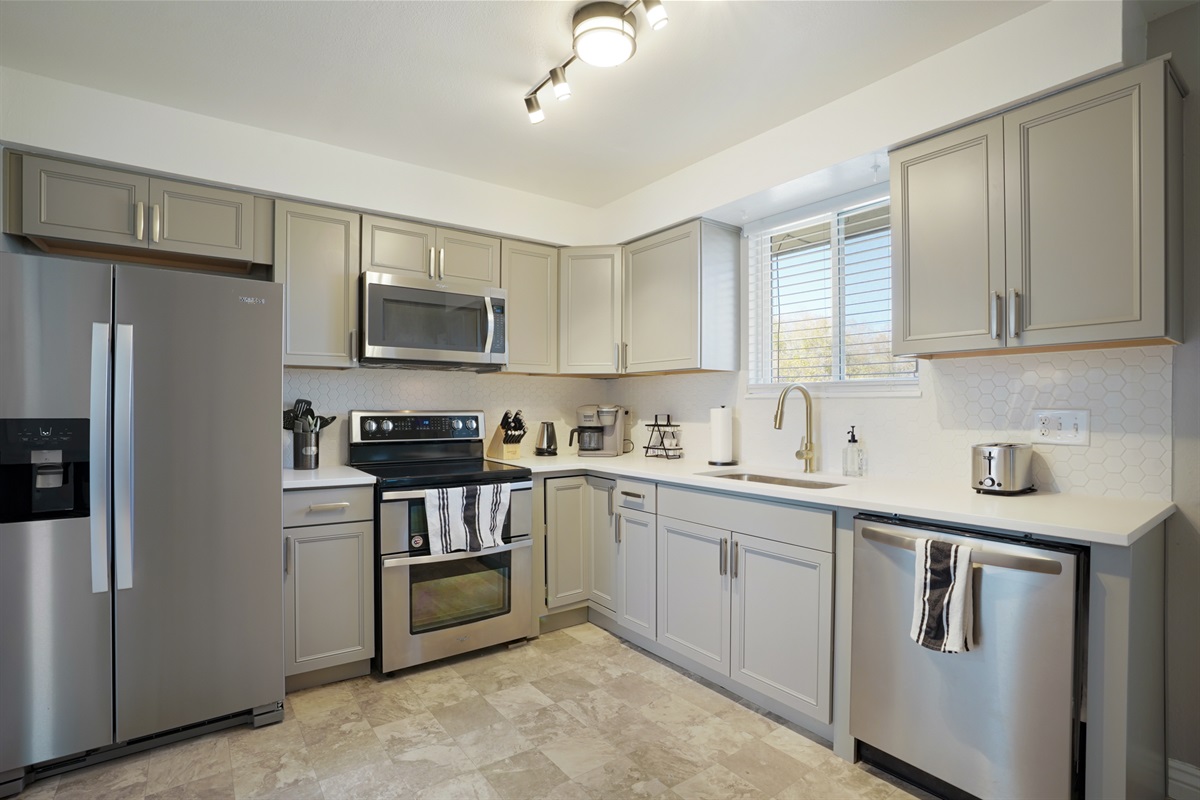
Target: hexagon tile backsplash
point(963, 402)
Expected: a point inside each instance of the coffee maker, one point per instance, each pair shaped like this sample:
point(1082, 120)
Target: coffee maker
point(601, 430)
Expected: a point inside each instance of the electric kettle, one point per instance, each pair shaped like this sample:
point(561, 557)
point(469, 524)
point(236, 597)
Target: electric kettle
point(547, 440)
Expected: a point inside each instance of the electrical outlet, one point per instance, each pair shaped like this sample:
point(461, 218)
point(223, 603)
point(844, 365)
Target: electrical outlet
point(1061, 426)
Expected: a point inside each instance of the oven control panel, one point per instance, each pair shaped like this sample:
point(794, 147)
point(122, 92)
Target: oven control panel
point(410, 426)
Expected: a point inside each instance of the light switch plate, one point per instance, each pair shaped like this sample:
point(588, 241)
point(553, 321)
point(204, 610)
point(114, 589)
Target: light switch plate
point(1061, 426)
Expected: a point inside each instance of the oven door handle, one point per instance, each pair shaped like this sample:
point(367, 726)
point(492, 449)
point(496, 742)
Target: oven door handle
point(401, 561)
point(419, 494)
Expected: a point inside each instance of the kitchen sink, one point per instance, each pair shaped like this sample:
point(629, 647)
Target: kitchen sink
point(799, 483)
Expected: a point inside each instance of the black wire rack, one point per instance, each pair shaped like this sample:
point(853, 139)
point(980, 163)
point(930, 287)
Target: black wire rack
point(664, 438)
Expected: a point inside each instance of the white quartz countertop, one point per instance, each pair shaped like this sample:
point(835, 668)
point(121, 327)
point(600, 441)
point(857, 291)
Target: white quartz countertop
point(1098, 520)
point(324, 477)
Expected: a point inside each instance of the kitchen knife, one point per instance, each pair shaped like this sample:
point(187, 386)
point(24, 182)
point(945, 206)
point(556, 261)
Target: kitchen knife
point(506, 420)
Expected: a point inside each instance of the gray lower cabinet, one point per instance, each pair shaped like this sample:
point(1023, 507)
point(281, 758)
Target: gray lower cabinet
point(424, 252)
point(749, 594)
point(529, 273)
point(63, 200)
point(328, 579)
point(581, 545)
point(637, 601)
point(317, 261)
point(1054, 224)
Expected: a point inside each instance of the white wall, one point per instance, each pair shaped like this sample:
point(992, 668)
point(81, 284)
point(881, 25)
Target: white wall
point(1052, 44)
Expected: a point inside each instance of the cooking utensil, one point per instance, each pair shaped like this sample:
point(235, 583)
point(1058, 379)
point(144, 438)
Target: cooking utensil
point(302, 406)
point(289, 419)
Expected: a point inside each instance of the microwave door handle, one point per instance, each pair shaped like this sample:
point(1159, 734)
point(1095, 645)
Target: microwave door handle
point(491, 325)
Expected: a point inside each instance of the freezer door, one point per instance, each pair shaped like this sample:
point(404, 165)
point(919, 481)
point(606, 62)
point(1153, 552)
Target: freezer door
point(55, 616)
point(996, 721)
point(197, 487)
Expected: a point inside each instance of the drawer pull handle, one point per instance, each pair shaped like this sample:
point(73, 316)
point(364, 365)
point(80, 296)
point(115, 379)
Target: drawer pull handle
point(634, 495)
point(328, 506)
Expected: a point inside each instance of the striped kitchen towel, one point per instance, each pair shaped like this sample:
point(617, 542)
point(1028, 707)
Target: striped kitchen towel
point(466, 518)
point(942, 613)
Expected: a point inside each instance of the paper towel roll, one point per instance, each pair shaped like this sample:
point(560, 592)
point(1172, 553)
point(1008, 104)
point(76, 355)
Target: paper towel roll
point(720, 423)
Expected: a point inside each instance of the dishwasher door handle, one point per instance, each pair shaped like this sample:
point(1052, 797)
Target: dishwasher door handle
point(1045, 566)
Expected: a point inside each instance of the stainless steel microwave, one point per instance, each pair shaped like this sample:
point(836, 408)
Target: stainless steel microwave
point(413, 322)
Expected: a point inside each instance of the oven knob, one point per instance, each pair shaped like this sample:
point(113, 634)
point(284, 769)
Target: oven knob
point(386, 425)
point(369, 426)
point(457, 424)
point(471, 425)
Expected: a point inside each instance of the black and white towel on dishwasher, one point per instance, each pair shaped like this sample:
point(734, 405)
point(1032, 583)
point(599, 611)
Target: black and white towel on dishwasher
point(466, 518)
point(942, 606)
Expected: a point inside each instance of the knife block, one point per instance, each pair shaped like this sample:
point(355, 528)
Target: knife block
point(498, 449)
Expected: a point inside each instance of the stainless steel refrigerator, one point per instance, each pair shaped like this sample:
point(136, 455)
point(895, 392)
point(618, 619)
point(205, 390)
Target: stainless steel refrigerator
point(140, 514)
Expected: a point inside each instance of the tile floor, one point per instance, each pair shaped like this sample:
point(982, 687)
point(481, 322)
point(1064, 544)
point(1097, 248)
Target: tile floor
point(577, 713)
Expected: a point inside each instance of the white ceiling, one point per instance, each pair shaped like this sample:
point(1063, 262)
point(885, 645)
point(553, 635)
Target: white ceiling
point(439, 83)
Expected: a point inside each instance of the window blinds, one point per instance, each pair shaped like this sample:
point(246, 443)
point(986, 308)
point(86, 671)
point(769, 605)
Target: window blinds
point(820, 304)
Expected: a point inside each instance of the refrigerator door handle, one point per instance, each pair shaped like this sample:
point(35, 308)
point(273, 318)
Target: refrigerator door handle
point(123, 457)
point(98, 457)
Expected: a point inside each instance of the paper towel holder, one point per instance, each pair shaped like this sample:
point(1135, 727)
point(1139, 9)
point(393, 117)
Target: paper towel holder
point(730, 463)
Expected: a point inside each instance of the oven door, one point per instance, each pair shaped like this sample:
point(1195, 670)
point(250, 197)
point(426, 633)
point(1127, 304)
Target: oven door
point(432, 607)
point(417, 320)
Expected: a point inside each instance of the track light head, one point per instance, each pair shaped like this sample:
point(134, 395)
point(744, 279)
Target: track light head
point(656, 15)
point(534, 108)
point(562, 89)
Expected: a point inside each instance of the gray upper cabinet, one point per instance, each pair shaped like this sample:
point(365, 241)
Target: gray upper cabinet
point(1054, 225)
point(77, 202)
point(317, 260)
point(947, 200)
point(423, 251)
point(681, 300)
point(589, 285)
point(529, 273)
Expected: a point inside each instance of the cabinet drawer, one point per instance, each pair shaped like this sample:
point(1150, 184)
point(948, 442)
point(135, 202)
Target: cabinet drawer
point(327, 506)
point(799, 525)
point(638, 495)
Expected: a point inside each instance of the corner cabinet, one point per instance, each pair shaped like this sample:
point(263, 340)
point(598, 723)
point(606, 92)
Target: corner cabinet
point(580, 555)
point(1056, 224)
point(529, 273)
point(681, 300)
point(328, 578)
point(589, 285)
point(317, 261)
point(427, 252)
point(65, 201)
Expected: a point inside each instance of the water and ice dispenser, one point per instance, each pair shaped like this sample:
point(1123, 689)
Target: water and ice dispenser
point(43, 469)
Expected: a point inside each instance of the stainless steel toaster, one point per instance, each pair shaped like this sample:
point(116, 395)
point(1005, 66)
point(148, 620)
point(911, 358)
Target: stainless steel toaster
point(1002, 468)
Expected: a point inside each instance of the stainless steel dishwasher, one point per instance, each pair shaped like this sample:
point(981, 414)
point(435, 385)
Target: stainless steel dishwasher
point(999, 721)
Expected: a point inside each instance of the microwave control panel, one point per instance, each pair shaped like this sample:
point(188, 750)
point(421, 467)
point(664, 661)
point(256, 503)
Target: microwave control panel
point(498, 345)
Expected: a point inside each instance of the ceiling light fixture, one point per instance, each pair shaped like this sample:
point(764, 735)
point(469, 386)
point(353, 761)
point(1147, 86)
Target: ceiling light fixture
point(534, 108)
point(603, 36)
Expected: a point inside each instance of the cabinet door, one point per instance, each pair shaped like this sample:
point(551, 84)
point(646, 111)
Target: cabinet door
point(636, 572)
point(782, 623)
point(529, 272)
point(1085, 212)
point(399, 247)
point(468, 257)
point(201, 220)
point(317, 258)
point(62, 200)
point(602, 544)
point(568, 518)
point(662, 301)
point(589, 307)
point(948, 242)
point(693, 592)
point(329, 596)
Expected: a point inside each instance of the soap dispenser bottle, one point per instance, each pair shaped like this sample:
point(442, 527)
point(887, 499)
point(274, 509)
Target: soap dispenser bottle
point(854, 457)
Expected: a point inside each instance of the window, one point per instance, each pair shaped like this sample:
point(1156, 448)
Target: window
point(821, 299)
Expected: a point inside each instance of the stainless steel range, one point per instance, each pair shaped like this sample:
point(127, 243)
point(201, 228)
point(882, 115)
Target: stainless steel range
point(431, 605)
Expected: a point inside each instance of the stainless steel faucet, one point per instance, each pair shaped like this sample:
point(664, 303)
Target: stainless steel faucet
point(806, 453)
